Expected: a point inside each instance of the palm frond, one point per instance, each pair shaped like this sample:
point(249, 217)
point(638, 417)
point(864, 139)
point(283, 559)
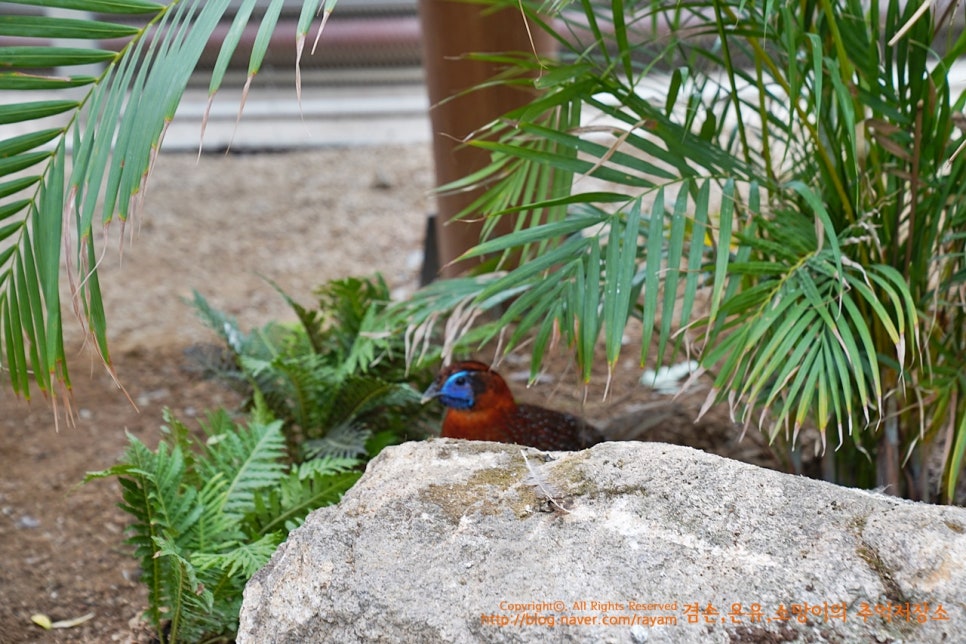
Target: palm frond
point(777, 188)
point(110, 126)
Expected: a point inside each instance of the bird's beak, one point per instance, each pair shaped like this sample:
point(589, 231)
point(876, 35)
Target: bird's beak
point(430, 393)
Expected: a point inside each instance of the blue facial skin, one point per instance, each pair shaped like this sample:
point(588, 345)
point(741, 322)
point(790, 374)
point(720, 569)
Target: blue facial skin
point(457, 392)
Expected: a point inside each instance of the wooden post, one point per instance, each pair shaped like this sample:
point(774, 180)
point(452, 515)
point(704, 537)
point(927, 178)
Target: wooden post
point(451, 29)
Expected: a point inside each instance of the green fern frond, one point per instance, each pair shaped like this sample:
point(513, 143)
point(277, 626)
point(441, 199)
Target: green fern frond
point(325, 466)
point(248, 458)
point(188, 531)
point(343, 305)
point(190, 603)
point(313, 485)
point(214, 526)
point(164, 512)
point(346, 440)
point(320, 378)
point(360, 395)
point(224, 325)
point(242, 559)
point(336, 328)
point(306, 384)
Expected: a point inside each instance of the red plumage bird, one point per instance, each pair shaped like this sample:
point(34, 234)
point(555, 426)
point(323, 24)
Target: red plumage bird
point(481, 407)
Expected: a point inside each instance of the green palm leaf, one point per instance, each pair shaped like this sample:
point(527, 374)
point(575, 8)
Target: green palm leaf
point(61, 184)
point(780, 185)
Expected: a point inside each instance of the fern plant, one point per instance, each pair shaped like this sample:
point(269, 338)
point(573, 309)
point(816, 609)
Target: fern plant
point(340, 392)
point(207, 515)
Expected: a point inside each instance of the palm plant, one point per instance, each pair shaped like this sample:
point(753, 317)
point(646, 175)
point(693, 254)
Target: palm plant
point(76, 149)
point(772, 187)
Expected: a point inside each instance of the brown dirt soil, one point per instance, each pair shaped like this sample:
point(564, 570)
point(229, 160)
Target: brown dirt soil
point(218, 225)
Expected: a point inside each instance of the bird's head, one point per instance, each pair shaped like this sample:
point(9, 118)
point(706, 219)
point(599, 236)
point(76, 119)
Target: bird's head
point(462, 384)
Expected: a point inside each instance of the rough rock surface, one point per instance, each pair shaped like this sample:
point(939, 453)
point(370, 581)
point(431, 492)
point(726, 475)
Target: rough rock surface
point(449, 541)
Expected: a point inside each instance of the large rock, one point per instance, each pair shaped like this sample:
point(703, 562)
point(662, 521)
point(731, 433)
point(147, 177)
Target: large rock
point(448, 541)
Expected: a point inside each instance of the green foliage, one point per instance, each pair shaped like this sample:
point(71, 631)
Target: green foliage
point(774, 187)
point(110, 124)
point(207, 515)
point(340, 392)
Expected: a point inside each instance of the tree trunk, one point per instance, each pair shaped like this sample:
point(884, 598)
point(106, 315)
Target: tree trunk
point(451, 30)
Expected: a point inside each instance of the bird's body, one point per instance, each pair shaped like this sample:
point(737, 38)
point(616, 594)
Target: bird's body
point(480, 406)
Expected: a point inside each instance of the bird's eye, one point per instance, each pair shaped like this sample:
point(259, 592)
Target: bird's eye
point(461, 381)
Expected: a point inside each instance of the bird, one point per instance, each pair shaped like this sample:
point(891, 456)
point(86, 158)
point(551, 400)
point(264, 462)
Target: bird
point(480, 406)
